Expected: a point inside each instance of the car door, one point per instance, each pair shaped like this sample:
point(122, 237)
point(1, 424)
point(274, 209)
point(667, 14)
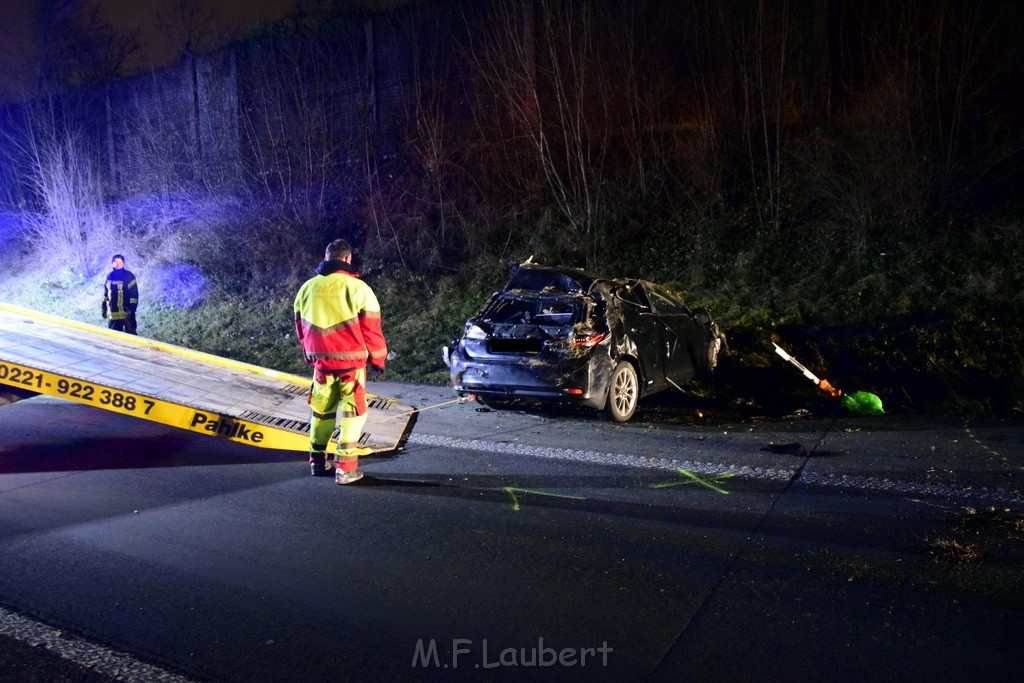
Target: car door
point(646, 337)
point(682, 334)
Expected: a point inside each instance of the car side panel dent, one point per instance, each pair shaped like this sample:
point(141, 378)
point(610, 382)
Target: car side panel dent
point(600, 376)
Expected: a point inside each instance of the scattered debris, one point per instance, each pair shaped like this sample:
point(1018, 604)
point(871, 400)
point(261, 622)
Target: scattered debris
point(991, 533)
point(951, 550)
point(787, 449)
point(857, 402)
point(747, 402)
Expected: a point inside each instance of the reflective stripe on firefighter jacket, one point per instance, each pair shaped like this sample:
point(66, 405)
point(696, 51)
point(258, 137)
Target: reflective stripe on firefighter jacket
point(120, 294)
point(337, 320)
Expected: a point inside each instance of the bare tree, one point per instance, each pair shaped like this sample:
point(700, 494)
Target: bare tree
point(540, 66)
point(64, 198)
point(192, 26)
point(766, 86)
point(293, 117)
point(77, 46)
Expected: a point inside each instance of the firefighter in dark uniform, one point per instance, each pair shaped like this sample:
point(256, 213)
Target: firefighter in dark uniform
point(120, 297)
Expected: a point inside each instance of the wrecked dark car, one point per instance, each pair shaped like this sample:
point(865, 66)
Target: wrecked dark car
point(563, 335)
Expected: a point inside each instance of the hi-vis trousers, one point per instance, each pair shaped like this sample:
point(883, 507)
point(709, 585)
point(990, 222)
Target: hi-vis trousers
point(345, 392)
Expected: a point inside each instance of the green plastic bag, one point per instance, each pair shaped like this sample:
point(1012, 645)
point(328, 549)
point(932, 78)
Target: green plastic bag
point(862, 403)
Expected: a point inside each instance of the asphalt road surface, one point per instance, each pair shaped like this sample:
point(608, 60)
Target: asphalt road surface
point(702, 542)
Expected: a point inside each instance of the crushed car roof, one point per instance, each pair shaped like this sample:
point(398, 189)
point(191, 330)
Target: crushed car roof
point(551, 279)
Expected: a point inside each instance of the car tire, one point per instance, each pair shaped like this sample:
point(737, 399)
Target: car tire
point(623, 392)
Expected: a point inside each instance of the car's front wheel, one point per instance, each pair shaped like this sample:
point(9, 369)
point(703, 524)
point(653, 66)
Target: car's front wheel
point(623, 393)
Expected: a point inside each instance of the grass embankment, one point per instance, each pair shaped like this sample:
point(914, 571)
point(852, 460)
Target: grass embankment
point(933, 327)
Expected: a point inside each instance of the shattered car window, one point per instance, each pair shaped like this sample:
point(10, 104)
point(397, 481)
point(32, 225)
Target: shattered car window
point(664, 301)
point(633, 294)
point(519, 310)
point(532, 280)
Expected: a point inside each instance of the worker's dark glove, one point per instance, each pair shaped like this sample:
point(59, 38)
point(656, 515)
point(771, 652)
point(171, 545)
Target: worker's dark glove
point(104, 310)
point(375, 372)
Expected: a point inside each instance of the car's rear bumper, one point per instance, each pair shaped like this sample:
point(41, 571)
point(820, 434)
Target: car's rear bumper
point(581, 381)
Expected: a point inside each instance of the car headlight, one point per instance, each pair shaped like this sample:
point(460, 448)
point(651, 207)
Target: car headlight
point(475, 332)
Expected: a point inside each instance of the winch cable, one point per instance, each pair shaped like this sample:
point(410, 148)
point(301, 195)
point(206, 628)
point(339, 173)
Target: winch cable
point(460, 399)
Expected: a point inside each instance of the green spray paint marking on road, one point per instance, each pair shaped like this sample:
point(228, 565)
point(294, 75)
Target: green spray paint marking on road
point(694, 479)
point(511, 490)
point(985, 447)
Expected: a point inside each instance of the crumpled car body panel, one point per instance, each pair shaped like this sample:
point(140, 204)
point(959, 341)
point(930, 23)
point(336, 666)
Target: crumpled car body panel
point(557, 335)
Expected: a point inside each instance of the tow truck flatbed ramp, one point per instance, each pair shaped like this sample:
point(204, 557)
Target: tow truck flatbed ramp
point(200, 392)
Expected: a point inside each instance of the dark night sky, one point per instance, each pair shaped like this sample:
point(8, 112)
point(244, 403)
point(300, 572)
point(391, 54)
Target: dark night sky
point(140, 16)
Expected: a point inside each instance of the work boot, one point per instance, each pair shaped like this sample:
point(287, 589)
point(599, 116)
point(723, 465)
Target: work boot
point(347, 477)
point(319, 465)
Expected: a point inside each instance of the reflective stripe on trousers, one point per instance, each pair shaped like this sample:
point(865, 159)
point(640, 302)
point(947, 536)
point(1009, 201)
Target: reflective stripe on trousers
point(345, 393)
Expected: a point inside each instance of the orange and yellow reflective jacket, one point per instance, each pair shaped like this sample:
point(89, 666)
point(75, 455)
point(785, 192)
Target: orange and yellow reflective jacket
point(337, 320)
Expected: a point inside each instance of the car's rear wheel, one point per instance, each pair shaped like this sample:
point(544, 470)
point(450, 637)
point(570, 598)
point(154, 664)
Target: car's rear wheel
point(623, 393)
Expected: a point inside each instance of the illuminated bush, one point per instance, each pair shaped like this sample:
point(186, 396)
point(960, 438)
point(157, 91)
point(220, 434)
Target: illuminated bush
point(178, 286)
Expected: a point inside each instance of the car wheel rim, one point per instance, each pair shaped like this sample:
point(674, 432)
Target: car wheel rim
point(625, 392)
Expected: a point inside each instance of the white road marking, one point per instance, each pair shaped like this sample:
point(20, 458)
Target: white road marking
point(103, 660)
point(125, 668)
point(892, 486)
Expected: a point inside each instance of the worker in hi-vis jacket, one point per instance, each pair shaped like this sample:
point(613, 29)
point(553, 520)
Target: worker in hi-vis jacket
point(338, 323)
